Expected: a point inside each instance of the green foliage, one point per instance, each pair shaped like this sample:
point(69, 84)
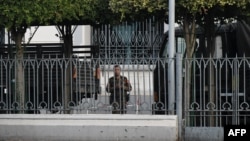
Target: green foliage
point(15, 13)
point(131, 9)
point(50, 12)
point(195, 6)
point(218, 9)
point(128, 8)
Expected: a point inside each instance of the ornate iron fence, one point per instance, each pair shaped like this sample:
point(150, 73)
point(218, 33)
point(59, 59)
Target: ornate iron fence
point(215, 91)
point(72, 85)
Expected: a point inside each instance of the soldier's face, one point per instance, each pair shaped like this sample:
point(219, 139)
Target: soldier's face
point(117, 71)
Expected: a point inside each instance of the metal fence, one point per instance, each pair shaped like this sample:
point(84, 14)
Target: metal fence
point(215, 91)
point(71, 85)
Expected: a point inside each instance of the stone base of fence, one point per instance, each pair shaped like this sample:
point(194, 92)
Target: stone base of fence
point(90, 127)
point(204, 134)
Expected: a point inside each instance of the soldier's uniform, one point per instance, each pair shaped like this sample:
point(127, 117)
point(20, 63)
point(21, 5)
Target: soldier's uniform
point(118, 89)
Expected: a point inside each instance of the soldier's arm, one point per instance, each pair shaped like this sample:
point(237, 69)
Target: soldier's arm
point(109, 87)
point(127, 86)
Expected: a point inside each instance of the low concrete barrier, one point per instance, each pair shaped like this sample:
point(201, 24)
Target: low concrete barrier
point(88, 127)
point(204, 134)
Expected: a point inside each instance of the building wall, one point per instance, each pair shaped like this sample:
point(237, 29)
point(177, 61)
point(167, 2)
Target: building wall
point(49, 34)
point(44, 34)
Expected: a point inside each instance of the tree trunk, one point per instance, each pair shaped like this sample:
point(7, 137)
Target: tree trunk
point(189, 36)
point(67, 37)
point(210, 35)
point(18, 34)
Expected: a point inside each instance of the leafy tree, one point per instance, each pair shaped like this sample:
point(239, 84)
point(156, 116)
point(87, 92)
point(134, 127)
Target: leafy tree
point(16, 16)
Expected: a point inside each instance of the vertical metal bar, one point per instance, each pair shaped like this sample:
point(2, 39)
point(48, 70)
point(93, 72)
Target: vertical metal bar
point(210, 92)
point(150, 85)
point(57, 87)
point(109, 40)
point(216, 93)
point(50, 83)
point(186, 106)
point(204, 91)
point(34, 87)
point(2, 86)
point(8, 82)
point(244, 84)
point(32, 99)
point(226, 78)
point(234, 97)
point(28, 78)
point(179, 94)
point(38, 82)
point(15, 76)
point(62, 84)
point(171, 53)
point(11, 83)
point(200, 87)
point(193, 92)
point(220, 91)
point(165, 81)
point(135, 92)
point(43, 79)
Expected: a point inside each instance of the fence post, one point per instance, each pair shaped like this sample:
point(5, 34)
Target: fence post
point(171, 55)
point(179, 93)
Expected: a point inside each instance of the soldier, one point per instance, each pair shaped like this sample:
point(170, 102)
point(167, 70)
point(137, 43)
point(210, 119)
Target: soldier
point(118, 86)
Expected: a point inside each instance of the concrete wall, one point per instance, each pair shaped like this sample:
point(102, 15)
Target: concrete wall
point(88, 127)
point(204, 134)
